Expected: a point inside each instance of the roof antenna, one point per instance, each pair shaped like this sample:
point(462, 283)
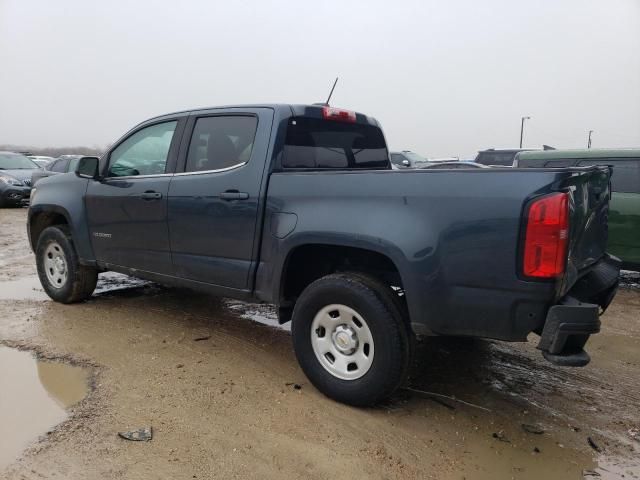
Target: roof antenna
point(331, 92)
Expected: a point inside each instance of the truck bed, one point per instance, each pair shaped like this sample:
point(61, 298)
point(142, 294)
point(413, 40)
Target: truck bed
point(454, 236)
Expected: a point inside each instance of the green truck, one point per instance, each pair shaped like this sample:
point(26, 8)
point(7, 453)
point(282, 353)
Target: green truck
point(624, 209)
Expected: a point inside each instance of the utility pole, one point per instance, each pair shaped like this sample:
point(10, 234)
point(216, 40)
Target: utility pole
point(522, 128)
point(589, 141)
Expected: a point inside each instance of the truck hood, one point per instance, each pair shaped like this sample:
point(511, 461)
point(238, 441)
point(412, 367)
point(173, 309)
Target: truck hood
point(20, 173)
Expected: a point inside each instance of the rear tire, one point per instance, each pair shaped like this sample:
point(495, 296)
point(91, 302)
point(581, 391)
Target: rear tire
point(351, 339)
point(61, 275)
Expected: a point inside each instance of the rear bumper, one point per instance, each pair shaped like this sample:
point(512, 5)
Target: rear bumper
point(569, 324)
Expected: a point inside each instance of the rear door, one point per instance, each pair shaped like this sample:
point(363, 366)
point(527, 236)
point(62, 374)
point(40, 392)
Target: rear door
point(215, 196)
point(127, 208)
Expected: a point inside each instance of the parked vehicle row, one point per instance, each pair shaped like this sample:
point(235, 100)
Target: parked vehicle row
point(297, 205)
point(62, 164)
point(20, 172)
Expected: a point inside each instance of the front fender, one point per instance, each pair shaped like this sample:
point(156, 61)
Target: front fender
point(64, 195)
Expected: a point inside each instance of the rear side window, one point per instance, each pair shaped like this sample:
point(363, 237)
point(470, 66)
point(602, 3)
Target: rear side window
point(626, 173)
point(496, 158)
point(59, 166)
point(221, 142)
point(316, 143)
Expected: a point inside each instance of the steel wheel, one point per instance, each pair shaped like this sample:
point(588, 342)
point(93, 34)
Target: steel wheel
point(342, 342)
point(55, 264)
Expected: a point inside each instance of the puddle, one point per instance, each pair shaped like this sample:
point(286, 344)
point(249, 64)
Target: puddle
point(27, 288)
point(33, 398)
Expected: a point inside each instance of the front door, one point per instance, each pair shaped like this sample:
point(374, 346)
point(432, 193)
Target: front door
point(127, 208)
point(214, 200)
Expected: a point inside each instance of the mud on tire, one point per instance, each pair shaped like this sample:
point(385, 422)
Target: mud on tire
point(60, 273)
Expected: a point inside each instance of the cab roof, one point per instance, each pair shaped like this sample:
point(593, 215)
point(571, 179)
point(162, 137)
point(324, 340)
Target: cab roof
point(296, 110)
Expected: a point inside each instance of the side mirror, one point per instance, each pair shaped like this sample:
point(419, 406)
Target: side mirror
point(88, 167)
point(406, 163)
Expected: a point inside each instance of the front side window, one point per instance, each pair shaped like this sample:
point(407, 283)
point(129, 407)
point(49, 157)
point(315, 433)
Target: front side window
point(626, 173)
point(143, 153)
point(316, 143)
point(73, 163)
point(221, 142)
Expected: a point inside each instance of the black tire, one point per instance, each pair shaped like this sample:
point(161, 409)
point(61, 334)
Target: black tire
point(80, 281)
point(373, 301)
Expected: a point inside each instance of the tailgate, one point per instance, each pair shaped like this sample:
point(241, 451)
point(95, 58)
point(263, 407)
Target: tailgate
point(589, 190)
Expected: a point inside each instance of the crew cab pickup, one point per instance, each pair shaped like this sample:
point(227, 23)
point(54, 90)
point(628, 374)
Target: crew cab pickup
point(298, 206)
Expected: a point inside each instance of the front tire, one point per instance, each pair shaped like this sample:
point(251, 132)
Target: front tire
point(61, 275)
point(351, 339)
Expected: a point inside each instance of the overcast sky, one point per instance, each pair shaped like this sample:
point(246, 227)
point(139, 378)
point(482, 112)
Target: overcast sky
point(443, 78)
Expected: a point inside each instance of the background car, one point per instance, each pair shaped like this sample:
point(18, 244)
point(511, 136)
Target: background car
point(503, 157)
point(407, 159)
point(624, 209)
point(15, 178)
point(62, 164)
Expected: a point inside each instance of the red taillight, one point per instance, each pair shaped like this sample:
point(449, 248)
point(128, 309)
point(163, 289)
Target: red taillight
point(339, 115)
point(546, 237)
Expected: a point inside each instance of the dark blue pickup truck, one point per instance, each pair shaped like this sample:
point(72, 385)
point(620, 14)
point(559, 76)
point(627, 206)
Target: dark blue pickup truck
point(298, 206)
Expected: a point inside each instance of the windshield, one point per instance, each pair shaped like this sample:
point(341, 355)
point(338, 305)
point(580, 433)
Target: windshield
point(414, 157)
point(15, 161)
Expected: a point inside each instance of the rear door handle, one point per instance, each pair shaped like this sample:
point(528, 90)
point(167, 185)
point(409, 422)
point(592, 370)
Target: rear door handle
point(234, 195)
point(151, 195)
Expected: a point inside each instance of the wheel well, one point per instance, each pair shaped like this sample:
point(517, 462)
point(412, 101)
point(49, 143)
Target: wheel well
point(307, 263)
point(41, 221)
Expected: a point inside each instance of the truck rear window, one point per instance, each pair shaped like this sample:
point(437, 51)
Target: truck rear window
point(318, 143)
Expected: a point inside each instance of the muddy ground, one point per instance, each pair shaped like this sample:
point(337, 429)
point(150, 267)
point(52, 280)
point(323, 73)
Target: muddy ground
point(226, 399)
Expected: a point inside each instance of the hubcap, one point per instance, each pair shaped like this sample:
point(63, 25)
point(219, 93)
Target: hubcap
point(345, 339)
point(55, 265)
point(342, 342)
